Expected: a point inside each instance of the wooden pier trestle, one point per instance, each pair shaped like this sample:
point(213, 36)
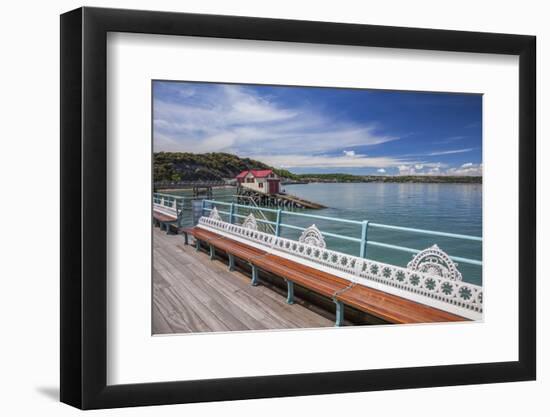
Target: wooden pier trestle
point(247, 196)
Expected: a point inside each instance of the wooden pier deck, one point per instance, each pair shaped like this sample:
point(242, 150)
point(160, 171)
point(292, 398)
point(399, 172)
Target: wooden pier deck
point(192, 294)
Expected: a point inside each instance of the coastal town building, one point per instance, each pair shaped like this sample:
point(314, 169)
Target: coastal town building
point(263, 181)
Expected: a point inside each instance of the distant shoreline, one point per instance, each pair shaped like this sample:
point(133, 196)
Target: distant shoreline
point(408, 179)
point(375, 179)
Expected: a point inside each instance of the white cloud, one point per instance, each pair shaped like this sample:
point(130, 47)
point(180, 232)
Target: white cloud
point(419, 166)
point(236, 119)
point(406, 170)
point(468, 169)
point(450, 152)
point(381, 171)
point(326, 161)
point(450, 139)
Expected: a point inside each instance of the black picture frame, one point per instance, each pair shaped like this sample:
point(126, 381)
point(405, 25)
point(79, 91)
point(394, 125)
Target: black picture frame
point(84, 207)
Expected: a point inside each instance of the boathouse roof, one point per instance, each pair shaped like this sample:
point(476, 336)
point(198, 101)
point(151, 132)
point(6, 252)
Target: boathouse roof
point(258, 173)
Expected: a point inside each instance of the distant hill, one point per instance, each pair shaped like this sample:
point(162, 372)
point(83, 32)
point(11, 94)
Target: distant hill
point(216, 166)
point(184, 166)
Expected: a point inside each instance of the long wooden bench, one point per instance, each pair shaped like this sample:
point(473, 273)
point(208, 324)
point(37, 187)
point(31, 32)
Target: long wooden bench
point(385, 306)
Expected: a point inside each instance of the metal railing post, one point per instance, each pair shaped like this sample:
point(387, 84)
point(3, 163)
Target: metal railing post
point(278, 225)
point(231, 212)
point(364, 229)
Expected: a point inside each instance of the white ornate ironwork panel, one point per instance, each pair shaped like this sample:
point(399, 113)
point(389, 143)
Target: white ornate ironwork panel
point(313, 236)
point(214, 215)
point(250, 222)
point(436, 262)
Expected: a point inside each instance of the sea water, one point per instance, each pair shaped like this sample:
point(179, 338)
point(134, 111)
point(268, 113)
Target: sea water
point(453, 208)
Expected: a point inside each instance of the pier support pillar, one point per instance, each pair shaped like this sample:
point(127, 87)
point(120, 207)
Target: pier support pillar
point(197, 245)
point(290, 292)
point(339, 313)
point(254, 275)
point(231, 261)
point(212, 252)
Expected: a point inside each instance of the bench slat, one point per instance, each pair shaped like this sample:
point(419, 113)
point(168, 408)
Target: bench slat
point(392, 308)
point(246, 252)
point(308, 279)
point(161, 217)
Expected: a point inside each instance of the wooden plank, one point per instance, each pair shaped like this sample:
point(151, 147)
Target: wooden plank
point(224, 292)
point(208, 303)
point(194, 294)
point(166, 310)
point(196, 315)
point(159, 323)
point(174, 310)
point(232, 307)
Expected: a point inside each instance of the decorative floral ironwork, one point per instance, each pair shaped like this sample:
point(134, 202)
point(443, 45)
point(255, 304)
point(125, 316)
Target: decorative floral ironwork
point(214, 215)
point(435, 262)
point(313, 236)
point(250, 222)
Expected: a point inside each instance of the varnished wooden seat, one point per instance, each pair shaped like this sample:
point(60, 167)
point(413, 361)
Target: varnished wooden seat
point(388, 307)
point(241, 250)
point(392, 308)
point(163, 217)
point(313, 279)
point(163, 220)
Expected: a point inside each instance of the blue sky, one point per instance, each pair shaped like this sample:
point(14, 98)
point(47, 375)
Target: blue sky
point(323, 130)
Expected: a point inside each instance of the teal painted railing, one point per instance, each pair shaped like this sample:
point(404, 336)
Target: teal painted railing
point(364, 226)
point(278, 224)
